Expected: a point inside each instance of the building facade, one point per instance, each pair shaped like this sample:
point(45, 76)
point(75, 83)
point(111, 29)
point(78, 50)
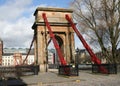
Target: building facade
point(13, 57)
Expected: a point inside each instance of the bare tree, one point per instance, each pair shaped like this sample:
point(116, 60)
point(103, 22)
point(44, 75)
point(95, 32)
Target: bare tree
point(100, 20)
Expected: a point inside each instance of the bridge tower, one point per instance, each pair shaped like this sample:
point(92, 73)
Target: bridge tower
point(64, 34)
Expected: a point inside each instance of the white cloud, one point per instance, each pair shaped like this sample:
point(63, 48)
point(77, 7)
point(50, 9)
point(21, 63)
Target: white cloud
point(12, 9)
point(15, 29)
point(16, 20)
point(16, 34)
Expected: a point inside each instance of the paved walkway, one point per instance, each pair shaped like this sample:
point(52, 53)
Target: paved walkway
point(51, 78)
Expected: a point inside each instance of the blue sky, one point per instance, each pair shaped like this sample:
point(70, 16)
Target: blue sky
point(16, 19)
point(54, 3)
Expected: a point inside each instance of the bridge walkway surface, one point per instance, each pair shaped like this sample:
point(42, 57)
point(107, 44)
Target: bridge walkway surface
point(51, 78)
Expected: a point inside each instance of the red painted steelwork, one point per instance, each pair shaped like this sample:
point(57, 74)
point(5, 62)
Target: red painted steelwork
point(62, 60)
point(17, 59)
point(93, 56)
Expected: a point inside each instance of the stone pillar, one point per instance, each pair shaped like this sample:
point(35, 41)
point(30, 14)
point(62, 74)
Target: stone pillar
point(67, 47)
point(41, 49)
point(72, 46)
point(35, 49)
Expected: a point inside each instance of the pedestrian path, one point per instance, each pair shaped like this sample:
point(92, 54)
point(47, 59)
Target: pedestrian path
point(85, 78)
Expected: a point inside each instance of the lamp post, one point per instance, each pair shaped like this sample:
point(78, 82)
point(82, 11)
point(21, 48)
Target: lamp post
point(77, 56)
point(76, 61)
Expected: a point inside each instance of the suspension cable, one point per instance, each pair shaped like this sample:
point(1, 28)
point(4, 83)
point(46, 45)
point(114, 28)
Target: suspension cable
point(29, 49)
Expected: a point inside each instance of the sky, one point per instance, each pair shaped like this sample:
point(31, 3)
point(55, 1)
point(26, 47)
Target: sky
point(16, 20)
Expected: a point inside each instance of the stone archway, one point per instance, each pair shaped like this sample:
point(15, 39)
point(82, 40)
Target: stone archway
point(60, 43)
point(64, 34)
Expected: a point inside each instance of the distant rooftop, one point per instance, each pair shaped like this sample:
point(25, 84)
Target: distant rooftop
point(20, 50)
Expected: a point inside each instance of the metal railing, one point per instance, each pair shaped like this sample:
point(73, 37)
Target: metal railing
point(111, 68)
point(19, 70)
point(68, 70)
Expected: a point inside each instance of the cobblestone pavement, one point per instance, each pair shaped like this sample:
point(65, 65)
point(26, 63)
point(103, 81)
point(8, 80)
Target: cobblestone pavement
point(85, 78)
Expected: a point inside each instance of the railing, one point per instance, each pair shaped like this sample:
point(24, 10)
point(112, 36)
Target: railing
point(19, 70)
point(85, 66)
point(118, 68)
point(53, 66)
point(68, 70)
point(112, 68)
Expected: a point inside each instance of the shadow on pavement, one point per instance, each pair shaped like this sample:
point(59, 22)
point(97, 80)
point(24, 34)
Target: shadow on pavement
point(12, 82)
